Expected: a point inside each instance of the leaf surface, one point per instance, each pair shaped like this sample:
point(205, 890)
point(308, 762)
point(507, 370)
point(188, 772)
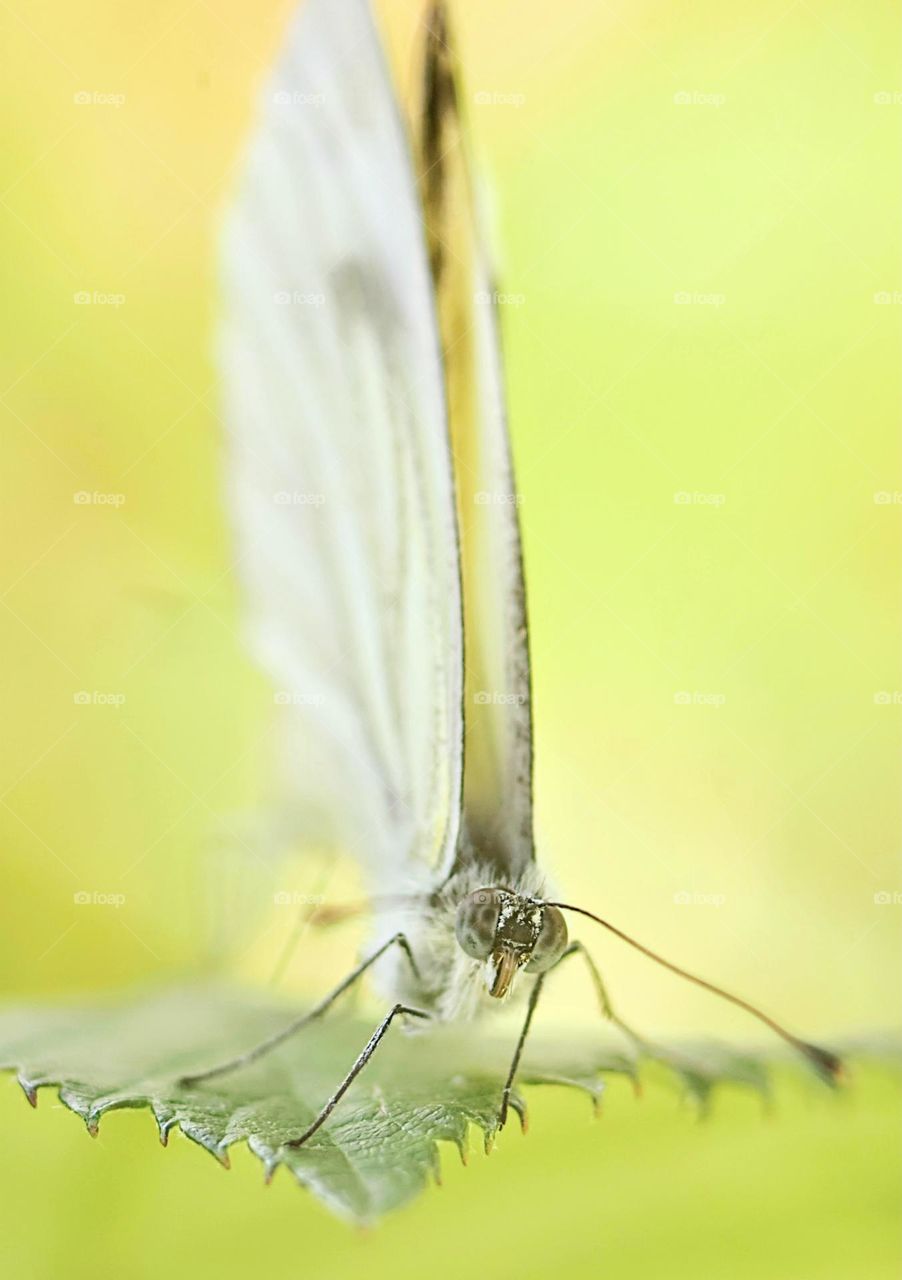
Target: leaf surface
point(380, 1147)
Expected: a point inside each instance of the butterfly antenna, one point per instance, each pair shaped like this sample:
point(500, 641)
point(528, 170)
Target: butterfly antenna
point(826, 1063)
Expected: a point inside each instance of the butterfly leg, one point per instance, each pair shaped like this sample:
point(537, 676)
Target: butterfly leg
point(363, 1058)
point(323, 917)
point(244, 1059)
point(607, 1009)
point(604, 1000)
point(641, 1043)
point(524, 1031)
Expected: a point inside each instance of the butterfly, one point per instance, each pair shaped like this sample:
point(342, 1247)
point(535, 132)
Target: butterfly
point(375, 513)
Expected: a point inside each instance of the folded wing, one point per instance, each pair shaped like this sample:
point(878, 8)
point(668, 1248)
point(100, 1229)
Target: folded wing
point(498, 717)
point(339, 471)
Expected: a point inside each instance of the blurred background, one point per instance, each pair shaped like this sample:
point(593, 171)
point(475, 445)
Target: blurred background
point(696, 220)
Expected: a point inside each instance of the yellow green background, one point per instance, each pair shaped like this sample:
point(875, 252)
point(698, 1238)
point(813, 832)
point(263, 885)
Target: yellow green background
point(743, 156)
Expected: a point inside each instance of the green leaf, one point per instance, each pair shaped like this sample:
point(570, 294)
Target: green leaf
point(379, 1149)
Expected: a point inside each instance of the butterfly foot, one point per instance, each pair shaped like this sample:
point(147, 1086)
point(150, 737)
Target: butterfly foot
point(503, 1109)
point(509, 1103)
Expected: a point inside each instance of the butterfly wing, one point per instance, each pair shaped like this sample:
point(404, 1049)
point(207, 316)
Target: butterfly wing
point(498, 747)
point(339, 472)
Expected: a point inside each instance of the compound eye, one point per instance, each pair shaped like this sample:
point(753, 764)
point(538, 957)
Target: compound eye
point(476, 922)
point(551, 942)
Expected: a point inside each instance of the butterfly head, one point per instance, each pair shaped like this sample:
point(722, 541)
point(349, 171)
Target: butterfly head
point(509, 932)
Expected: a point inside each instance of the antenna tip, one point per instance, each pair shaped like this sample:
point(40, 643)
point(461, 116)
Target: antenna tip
point(827, 1064)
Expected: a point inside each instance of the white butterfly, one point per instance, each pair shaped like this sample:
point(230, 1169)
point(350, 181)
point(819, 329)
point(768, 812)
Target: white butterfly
point(376, 519)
